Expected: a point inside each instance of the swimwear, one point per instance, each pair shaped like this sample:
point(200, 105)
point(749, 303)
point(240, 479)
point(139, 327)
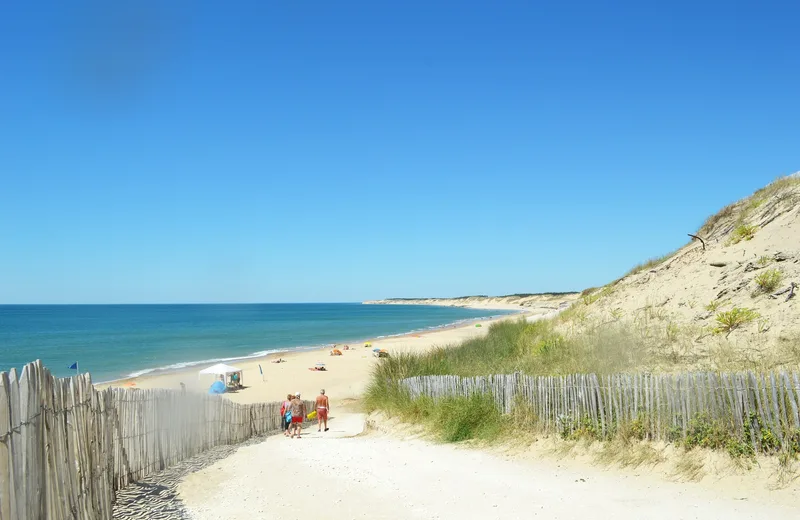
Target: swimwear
point(322, 413)
point(296, 419)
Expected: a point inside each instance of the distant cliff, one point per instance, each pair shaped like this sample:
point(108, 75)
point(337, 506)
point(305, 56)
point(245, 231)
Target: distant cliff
point(543, 302)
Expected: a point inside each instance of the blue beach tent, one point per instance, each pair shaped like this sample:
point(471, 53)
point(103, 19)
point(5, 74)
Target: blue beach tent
point(217, 388)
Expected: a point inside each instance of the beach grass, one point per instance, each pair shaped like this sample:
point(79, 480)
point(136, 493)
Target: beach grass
point(768, 280)
point(649, 342)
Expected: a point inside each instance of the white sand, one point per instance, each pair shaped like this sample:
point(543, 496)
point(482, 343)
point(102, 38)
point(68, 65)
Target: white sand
point(379, 476)
point(346, 377)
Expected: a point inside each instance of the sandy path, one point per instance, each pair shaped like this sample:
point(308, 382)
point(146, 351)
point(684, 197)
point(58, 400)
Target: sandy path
point(377, 476)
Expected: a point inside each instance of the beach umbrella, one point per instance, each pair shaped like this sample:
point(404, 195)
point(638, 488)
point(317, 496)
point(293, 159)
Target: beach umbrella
point(217, 388)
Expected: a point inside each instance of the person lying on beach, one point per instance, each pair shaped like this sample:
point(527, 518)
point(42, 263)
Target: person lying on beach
point(279, 360)
point(298, 409)
point(319, 369)
point(322, 410)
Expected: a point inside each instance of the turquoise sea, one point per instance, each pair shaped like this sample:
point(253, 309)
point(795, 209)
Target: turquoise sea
point(115, 341)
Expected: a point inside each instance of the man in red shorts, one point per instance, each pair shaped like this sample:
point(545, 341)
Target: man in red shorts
point(298, 408)
point(322, 410)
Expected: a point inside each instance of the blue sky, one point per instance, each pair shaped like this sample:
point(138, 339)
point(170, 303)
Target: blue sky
point(338, 151)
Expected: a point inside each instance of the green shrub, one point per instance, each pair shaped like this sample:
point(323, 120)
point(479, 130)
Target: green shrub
point(731, 320)
point(590, 298)
point(755, 204)
point(637, 429)
point(763, 435)
point(713, 305)
point(462, 419)
point(711, 222)
point(672, 331)
point(649, 264)
point(703, 432)
point(769, 280)
point(739, 448)
point(742, 232)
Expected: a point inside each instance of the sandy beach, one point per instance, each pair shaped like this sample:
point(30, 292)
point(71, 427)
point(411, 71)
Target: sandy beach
point(346, 376)
point(349, 473)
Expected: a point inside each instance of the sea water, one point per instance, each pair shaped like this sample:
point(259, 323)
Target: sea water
point(115, 341)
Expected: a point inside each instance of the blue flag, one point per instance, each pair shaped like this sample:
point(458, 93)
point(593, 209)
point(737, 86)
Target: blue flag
point(74, 366)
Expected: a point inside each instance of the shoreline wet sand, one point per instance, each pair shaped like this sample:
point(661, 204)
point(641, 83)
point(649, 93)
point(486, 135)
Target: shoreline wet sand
point(345, 377)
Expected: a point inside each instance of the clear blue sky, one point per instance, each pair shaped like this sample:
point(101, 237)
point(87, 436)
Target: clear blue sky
point(337, 151)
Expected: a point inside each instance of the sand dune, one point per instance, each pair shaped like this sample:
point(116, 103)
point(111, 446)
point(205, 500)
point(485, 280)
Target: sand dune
point(748, 243)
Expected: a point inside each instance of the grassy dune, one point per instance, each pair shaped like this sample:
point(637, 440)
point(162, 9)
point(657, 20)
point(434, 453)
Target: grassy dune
point(728, 324)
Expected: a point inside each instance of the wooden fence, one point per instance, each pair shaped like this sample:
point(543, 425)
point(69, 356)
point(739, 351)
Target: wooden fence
point(66, 448)
point(761, 409)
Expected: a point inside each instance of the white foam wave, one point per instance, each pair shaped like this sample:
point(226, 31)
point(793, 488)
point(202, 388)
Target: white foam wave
point(261, 353)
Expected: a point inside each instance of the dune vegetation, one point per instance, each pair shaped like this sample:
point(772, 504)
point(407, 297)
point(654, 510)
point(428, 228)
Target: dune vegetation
point(687, 310)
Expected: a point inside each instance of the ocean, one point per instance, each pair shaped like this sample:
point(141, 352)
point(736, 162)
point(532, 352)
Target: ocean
point(116, 341)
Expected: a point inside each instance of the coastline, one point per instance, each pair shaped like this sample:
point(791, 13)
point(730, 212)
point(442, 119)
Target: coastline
point(346, 376)
point(186, 366)
point(518, 302)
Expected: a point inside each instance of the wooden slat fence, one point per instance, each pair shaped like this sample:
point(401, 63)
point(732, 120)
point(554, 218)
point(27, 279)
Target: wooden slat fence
point(66, 447)
point(758, 408)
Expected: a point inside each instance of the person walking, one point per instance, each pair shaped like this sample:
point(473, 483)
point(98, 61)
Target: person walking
point(323, 407)
point(286, 414)
point(298, 409)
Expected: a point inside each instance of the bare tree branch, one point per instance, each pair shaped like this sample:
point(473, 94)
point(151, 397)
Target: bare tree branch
point(698, 238)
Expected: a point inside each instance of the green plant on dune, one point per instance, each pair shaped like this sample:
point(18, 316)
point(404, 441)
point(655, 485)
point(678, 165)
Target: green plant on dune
point(755, 204)
point(731, 320)
point(768, 281)
point(672, 331)
point(742, 232)
point(466, 418)
point(649, 264)
point(783, 189)
point(589, 299)
point(713, 305)
point(764, 260)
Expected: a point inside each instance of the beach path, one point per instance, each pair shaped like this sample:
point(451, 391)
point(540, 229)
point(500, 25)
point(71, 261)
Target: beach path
point(347, 475)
